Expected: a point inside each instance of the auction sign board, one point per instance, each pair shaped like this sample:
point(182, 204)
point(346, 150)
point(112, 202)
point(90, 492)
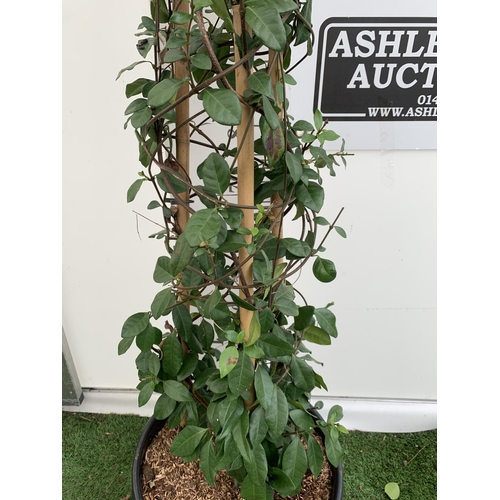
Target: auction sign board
point(375, 76)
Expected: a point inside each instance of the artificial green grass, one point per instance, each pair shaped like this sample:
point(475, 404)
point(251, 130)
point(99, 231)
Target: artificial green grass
point(98, 450)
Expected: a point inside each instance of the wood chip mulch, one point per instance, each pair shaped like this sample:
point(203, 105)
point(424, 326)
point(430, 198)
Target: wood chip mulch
point(167, 477)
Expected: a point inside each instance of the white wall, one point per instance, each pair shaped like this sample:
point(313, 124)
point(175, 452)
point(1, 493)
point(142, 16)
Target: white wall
point(385, 292)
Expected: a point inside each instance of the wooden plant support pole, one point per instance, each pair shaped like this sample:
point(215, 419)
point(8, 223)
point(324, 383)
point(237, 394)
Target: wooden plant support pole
point(182, 144)
point(276, 201)
point(245, 141)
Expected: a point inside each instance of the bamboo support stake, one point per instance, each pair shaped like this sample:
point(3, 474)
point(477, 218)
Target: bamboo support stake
point(245, 139)
point(276, 201)
point(182, 144)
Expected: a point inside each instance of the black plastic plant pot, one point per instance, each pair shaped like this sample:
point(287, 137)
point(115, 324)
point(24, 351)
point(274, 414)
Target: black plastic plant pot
point(154, 426)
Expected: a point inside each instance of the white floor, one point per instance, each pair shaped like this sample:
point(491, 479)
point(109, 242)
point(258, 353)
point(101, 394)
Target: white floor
point(370, 415)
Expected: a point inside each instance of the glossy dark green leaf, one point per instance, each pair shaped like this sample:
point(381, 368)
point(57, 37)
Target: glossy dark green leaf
point(312, 196)
point(222, 106)
point(172, 354)
point(284, 300)
point(260, 82)
point(251, 491)
point(176, 390)
point(265, 21)
point(257, 465)
point(215, 173)
point(239, 433)
point(258, 426)
point(275, 346)
point(295, 463)
point(326, 320)
point(181, 256)
point(302, 419)
point(202, 225)
point(314, 455)
point(277, 413)
point(280, 481)
point(145, 393)
point(136, 86)
point(302, 373)
point(241, 376)
point(163, 300)
point(270, 114)
point(264, 387)
point(162, 273)
point(296, 248)
point(303, 319)
point(208, 462)
point(333, 448)
point(201, 61)
point(163, 91)
point(186, 442)
point(135, 324)
point(294, 165)
point(164, 407)
point(324, 270)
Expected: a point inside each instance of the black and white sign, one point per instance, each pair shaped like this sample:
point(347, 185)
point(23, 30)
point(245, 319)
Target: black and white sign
point(377, 69)
point(367, 64)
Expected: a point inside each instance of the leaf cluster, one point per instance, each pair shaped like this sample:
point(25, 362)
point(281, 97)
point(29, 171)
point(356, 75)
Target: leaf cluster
point(240, 390)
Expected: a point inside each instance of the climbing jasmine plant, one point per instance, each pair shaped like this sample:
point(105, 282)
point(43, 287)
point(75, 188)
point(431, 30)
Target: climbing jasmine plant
point(226, 341)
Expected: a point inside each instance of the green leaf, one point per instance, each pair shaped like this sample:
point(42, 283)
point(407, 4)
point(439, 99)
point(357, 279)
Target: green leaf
point(340, 231)
point(242, 302)
point(136, 105)
point(220, 8)
point(164, 407)
point(392, 490)
point(202, 225)
point(254, 331)
point(254, 351)
point(215, 173)
point(228, 360)
point(303, 125)
point(201, 61)
point(275, 346)
point(318, 119)
point(208, 462)
point(335, 414)
point(332, 447)
point(130, 67)
point(176, 390)
point(180, 18)
point(264, 387)
point(312, 196)
point(136, 86)
point(296, 248)
point(280, 481)
point(326, 320)
point(135, 324)
point(163, 91)
point(302, 419)
point(257, 465)
point(266, 23)
point(260, 83)
point(222, 106)
point(277, 413)
point(163, 300)
point(148, 337)
point(317, 336)
point(284, 300)
point(324, 270)
point(186, 442)
point(134, 189)
point(294, 165)
point(162, 273)
point(251, 491)
point(270, 114)
point(172, 354)
point(241, 377)
point(141, 117)
point(258, 426)
point(302, 373)
point(295, 463)
point(145, 393)
point(314, 455)
point(303, 319)
point(183, 322)
point(124, 344)
point(239, 433)
point(329, 135)
point(181, 256)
